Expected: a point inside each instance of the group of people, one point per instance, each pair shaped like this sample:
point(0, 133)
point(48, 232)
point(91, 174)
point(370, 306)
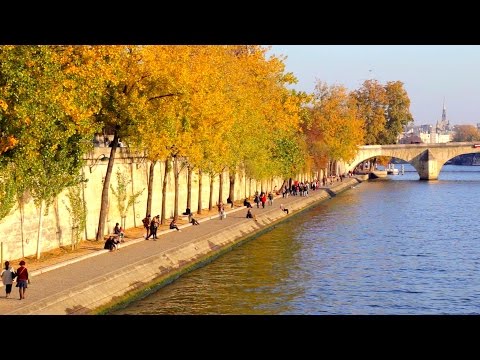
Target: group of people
point(151, 224)
point(113, 241)
point(262, 198)
point(9, 274)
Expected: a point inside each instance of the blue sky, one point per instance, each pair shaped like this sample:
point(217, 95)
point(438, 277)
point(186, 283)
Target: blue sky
point(429, 73)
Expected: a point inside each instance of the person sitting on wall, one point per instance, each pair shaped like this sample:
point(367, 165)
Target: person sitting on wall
point(118, 230)
point(247, 203)
point(283, 208)
point(187, 212)
point(249, 214)
point(229, 201)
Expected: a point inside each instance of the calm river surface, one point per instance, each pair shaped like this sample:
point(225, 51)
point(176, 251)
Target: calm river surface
point(384, 247)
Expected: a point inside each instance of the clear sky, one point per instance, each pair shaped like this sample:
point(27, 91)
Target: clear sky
point(429, 73)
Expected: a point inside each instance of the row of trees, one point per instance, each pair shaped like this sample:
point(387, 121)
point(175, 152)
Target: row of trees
point(200, 108)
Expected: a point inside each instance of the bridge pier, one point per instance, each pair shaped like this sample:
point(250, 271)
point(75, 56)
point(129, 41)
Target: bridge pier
point(427, 165)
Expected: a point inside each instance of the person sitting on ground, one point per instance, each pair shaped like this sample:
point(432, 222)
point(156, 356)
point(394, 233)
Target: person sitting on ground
point(118, 230)
point(111, 243)
point(283, 208)
point(249, 214)
point(187, 212)
point(173, 225)
point(192, 220)
point(247, 203)
point(229, 201)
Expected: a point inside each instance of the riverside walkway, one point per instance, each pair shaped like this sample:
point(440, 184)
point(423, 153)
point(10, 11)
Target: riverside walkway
point(81, 285)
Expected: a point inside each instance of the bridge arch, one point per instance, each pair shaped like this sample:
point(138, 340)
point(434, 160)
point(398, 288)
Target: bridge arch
point(427, 159)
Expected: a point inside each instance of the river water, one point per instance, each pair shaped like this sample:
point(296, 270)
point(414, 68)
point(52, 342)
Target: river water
point(397, 246)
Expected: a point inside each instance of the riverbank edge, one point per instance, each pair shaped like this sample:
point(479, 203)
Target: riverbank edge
point(184, 259)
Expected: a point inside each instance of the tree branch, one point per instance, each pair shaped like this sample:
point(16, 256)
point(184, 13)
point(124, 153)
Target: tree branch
point(162, 96)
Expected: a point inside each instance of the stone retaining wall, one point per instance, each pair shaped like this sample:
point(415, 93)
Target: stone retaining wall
point(127, 283)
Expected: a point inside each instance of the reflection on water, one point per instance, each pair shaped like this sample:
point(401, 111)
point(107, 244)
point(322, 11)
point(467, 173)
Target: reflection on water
point(385, 247)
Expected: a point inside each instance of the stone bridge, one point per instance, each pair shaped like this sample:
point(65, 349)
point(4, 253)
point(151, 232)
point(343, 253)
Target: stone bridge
point(427, 159)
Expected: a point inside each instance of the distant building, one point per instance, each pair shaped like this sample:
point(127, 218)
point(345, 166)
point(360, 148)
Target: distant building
point(441, 132)
point(443, 126)
point(411, 139)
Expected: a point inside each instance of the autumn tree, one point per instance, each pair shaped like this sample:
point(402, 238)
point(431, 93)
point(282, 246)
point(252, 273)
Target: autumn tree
point(466, 133)
point(385, 110)
point(397, 112)
point(371, 100)
point(49, 102)
point(335, 130)
point(123, 105)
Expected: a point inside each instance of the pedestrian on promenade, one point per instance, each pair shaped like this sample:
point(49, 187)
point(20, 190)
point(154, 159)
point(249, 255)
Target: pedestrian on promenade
point(154, 226)
point(8, 274)
point(221, 211)
point(270, 199)
point(22, 279)
point(146, 224)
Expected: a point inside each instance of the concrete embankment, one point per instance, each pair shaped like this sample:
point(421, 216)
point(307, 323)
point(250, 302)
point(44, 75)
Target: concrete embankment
point(129, 274)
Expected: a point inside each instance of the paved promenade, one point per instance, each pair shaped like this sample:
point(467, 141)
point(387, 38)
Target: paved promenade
point(57, 285)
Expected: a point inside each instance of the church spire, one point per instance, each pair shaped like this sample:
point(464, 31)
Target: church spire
point(444, 113)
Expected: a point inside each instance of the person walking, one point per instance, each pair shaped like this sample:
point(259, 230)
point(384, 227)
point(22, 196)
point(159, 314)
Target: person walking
point(154, 226)
point(22, 279)
point(146, 224)
point(8, 274)
point(263, 199)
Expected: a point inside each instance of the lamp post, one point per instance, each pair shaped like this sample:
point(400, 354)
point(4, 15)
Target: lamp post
point(101, 157)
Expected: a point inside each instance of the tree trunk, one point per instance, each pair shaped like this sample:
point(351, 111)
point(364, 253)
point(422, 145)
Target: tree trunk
point(175, 175)
point(189, 187)
point(84, 203)
point(150, 188)
point(22, 220)
point(106, 185)
point(244, 185)
point(220, 187)
point(133, 204)
point(164, 191)
point(199, 208)
point(231, 192)
point(39, 235)
point(210, 200)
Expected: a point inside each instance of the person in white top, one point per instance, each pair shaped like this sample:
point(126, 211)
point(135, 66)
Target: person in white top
point(8, 274)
